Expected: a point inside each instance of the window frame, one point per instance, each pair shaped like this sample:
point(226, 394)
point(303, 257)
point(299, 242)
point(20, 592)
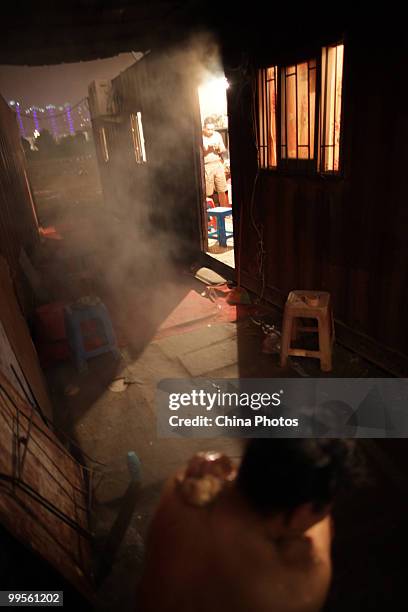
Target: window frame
point(137, 137)
point(299, 166)
point(103, 139)
point(333, 174)
point(264, 127)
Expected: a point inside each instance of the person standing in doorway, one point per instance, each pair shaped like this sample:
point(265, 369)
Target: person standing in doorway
point(213, 146)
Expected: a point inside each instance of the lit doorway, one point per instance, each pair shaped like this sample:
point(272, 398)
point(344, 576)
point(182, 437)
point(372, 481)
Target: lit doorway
point(217, 188)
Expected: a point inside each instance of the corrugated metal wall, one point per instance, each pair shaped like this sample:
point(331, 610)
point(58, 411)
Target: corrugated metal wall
point(343, 234)
point(160, 195)
point(347, 235)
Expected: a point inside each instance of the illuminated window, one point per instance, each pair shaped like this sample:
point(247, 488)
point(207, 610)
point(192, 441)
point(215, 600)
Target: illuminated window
point(290, 110)
point(104, 144)
point(330, 108)
point(138, 138)
point(267, 87)
point(298, 102)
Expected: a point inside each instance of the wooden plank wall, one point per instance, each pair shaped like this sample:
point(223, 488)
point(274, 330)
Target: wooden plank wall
point(347, 235)
point(37, 473)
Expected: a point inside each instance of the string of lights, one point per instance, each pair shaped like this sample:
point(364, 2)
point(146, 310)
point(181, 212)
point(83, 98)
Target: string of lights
point(71, 119)
point(13, 104)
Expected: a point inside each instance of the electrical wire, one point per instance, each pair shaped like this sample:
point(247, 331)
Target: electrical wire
point(258, 230)
point(17, 481)
point(48, 457)
point(261, 250)
point(92, 470)
point(46, 504)
point(54, 440)
point(30, 511)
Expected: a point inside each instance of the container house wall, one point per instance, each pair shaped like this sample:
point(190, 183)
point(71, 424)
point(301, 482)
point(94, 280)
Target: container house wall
point(346, 234)
point(161, 195)
point(18, 221)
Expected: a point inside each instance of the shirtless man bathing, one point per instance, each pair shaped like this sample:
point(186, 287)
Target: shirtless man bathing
point(253, 538)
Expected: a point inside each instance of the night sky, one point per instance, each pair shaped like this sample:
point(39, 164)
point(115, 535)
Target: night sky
point(42, 85)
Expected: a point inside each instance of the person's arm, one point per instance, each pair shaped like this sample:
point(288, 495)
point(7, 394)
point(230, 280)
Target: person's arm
point(212, 148)
point(319, 579)
point(207, 148)
point(174, 535)
point(220, 144)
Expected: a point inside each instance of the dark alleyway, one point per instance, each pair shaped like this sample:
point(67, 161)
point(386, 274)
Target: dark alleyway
point(169, 327)
point(316, 156)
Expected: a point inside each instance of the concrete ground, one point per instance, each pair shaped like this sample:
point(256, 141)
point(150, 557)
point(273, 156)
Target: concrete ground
point(166, 328)
point(223, 254)
point(107, 424)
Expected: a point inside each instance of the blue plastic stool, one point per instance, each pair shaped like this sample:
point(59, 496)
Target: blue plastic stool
point(220, 212)
point(75, 315)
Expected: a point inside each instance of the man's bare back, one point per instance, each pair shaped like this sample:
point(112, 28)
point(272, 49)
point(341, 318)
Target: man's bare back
point(223, 557)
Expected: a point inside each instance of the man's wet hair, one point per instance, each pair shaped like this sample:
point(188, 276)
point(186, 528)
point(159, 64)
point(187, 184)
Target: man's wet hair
point(279, 475)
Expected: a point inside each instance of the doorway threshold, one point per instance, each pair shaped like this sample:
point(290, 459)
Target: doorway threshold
point(209, 261)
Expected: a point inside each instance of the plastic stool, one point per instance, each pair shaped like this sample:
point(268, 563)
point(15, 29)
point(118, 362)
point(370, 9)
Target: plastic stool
point(308, 305)
point(78, 313)
point(212, 222)
point(220, 212)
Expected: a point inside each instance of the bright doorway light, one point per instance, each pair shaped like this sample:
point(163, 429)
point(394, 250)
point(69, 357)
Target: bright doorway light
point(212, 97)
